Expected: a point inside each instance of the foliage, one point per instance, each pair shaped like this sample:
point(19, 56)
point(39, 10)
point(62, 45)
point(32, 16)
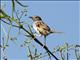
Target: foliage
point(18, 23)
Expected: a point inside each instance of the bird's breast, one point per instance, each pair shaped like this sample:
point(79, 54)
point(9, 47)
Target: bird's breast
point(41, 28)
point(34, 26)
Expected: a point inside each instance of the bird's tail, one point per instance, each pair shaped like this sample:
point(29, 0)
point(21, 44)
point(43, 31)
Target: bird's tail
point(54, 31)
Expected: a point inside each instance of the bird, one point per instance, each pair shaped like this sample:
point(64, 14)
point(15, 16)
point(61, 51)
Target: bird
point(40, 27)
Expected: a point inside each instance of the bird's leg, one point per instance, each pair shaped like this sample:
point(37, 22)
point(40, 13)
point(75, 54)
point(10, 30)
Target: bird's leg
point(45, 40)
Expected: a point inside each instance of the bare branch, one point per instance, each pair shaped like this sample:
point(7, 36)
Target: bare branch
point(35, 39)
point(9, 23)
point(20, 3)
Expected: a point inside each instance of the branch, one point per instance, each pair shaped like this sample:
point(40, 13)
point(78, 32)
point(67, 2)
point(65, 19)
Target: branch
point(9, 23)
point(31, 57)
point(20, 3)
point(35, 39)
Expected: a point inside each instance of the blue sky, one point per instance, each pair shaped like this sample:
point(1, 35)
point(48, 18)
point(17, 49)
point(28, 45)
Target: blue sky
point(61, 15)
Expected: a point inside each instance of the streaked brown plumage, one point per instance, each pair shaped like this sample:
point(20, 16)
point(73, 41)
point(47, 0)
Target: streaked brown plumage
point(40, 26)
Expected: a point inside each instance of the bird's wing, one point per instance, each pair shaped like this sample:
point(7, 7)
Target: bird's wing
point(42, 27)
point(45, 26)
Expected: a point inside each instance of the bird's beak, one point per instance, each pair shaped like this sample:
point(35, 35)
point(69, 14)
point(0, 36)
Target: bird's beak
point(30, 17)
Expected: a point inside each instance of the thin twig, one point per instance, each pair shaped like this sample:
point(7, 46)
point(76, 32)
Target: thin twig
point(20, 3)
point(9, 23)
point(31, 57)
point(61, 55)
point(35, 39)
point(67, 51)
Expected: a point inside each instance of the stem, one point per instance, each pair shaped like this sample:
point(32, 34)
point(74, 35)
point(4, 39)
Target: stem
point(61, 55)
point(35, 39)
point(76, 53)
point(67, 51)
point(44, 40)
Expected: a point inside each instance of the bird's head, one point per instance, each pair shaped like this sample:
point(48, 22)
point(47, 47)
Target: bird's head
point(35, 18)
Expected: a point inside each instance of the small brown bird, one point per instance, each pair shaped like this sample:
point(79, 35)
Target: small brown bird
point(41, 28)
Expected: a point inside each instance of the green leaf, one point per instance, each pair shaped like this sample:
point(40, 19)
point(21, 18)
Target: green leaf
point(13, 6)
point(3, 14)
point(30, 29)
point(8, 35)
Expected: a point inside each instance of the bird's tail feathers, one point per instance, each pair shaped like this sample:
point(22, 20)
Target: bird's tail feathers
point(54, 31)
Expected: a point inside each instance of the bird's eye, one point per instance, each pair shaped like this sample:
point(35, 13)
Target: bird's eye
point(37, 17)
